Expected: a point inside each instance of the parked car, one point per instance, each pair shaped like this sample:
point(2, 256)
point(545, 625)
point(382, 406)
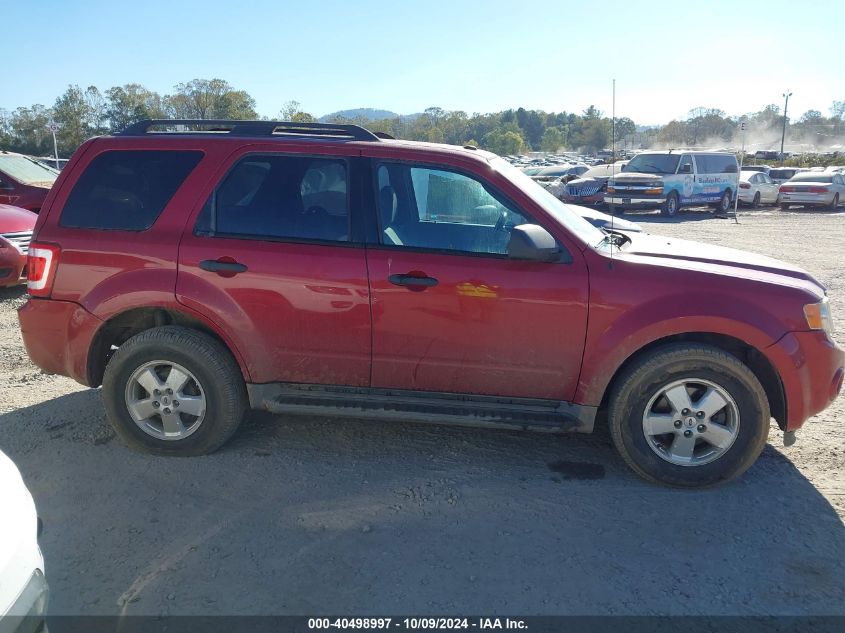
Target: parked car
point(319, 269)
point(16, 227)
point(671, 180)
point(23, 587)
point(756, 187)
point(24, 182)
point(559, 171)
point(813, 189)
point(590, 187)
point(781, 174)
point(761, 168)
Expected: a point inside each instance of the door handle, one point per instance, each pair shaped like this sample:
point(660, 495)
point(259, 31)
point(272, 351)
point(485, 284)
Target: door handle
point(412, 280)
point(222, 266)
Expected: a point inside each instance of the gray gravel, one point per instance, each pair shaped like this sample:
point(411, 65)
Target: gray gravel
point(312, 515)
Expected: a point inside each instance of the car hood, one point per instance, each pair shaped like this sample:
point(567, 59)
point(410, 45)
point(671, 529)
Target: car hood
point(15, 219)
point(579, 182)
point(635, 175)
point(605, 220)
point(703, 257)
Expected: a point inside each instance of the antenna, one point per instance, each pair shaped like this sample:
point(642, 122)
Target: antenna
point(612, 163)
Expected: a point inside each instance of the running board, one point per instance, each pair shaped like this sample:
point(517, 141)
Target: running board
point(399, 405)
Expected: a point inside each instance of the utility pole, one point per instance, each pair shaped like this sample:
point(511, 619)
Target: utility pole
point(786, 96)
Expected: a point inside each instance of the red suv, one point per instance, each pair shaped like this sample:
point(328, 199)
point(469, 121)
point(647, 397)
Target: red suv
point(197, 269)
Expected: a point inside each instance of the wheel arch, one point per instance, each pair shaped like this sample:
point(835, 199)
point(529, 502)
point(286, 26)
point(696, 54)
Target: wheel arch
point(122, 326)
point(749, 355)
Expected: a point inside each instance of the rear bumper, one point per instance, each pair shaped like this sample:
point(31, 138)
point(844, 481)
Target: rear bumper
point(806, 198)
point(811, 367)
point(57, 336)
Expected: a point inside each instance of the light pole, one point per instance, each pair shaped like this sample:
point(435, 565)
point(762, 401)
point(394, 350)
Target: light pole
point(786, 96)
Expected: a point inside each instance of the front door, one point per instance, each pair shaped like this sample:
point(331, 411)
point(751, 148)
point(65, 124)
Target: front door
point(273, 261)
point(451, 312)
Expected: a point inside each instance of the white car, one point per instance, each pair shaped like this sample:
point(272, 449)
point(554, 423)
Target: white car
point(813, 189)
point(756, 188)
point(23, 587)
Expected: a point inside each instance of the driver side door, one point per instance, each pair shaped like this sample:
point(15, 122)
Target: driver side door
point(451, 312)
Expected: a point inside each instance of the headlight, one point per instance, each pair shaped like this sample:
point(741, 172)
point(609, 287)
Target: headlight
point(819, 317)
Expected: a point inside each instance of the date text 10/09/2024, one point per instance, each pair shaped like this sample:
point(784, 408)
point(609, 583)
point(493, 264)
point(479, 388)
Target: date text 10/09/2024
point(423, 623)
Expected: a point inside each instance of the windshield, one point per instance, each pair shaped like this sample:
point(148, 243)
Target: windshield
point(654, 163)
point(560, 211)
point(27, 171)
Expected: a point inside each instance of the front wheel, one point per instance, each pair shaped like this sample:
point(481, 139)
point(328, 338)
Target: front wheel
point(835, 202)
point(174, 391)
point(671, 205)
point(689, 415)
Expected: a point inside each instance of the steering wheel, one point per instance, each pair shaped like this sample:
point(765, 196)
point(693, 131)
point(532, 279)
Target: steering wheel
point(316, 212)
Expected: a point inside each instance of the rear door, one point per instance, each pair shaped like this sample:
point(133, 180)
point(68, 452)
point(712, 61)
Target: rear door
point(274, 259)
point(451, 312)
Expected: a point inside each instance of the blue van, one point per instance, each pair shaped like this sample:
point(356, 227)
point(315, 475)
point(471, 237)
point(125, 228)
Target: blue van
point(673, 179)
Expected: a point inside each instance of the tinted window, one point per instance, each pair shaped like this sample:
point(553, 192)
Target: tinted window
point(812, 177)
point(716, 163)
point(685, 160)
point(126, 190)
point(293, 197)
point(443, 210)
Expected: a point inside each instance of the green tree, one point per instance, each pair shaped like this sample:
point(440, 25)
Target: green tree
point(552, 139)
point(504, 142)
point(292, 111)
point(209, 99)
point(72, 112)
point(131, 103)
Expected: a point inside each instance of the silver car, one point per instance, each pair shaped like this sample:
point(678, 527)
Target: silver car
point(813, 189)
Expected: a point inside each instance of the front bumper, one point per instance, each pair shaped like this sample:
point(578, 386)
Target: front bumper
point(58, 335)
point(631, 203)
point(12, 267)
point(27, 613)
point(811, 368)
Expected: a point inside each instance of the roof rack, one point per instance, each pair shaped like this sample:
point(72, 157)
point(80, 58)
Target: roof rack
point(335, 131)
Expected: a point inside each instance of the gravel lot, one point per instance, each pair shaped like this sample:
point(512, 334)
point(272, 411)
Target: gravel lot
point(311, 515)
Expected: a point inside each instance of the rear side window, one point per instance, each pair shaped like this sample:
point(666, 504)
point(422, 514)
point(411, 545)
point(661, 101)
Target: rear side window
point(279, 198)
point(126, 190)
point(716, 163)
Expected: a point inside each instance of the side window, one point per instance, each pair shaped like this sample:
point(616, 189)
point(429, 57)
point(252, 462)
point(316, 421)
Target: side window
point(126, 190)
point(686, 160)
point(280, 197)
point(424, 207)
point(755, 179)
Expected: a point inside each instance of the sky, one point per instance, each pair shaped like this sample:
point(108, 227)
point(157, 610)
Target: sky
point(405, 55)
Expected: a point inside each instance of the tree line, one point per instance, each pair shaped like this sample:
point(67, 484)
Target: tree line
point(83, 113)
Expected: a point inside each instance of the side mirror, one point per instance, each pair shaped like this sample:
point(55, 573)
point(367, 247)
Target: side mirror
point(686, 169)
point(623, 168)
point(5, 185)
point(533, 243)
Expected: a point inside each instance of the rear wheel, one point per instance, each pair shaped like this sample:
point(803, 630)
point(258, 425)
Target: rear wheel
point(756, 201)
point(724, 204)
point(174, 391)
point(835, 202)
point(689, 415)
point(670, 205)
point(784, 207)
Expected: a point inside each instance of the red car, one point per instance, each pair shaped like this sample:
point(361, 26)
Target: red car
point(197, 269)
point(24, 181)
point(16, 227)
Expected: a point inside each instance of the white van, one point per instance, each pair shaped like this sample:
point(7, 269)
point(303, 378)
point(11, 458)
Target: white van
point(674, 179)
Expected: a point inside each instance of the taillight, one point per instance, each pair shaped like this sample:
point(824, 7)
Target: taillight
point(786, 189)
point(41, 263)
point(819, 190)
point(744, 185)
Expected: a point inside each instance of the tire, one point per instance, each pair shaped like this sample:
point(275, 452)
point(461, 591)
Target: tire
point(635, 401)
point(835, 202)
point(784, 207)
point(756, 201)
point(670, 206)
point(724, 204)
point(214, 386)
